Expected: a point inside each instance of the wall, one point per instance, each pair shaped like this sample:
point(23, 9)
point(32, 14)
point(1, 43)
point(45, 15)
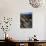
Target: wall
point(13, 8)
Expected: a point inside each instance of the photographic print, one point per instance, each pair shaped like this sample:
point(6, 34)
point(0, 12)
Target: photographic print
point(26, 20)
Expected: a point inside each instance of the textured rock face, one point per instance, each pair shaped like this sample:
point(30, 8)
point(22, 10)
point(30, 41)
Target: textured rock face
point(35, 3)
point(26, 21)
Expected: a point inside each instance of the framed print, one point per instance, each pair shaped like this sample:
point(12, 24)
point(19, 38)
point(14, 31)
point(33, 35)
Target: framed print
point(26, 20)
